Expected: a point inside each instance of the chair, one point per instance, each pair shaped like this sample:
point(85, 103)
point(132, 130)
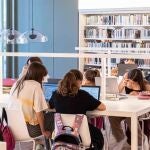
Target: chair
point(142, 119)
point(18, 126)
point(84, 132)
point(3, 145)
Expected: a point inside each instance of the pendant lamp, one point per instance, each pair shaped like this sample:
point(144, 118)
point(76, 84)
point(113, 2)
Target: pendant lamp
point(34, 35)
point(11, 36)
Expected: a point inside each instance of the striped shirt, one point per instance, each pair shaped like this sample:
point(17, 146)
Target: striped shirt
point(32, 100)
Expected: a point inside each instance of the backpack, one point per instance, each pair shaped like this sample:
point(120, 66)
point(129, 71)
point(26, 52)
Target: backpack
point(5, 132)
point(67, 137)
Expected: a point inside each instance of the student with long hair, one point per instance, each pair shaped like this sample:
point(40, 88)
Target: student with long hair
point(28, 90)
point(132, 83)
point(29, 61)
point(69, 99)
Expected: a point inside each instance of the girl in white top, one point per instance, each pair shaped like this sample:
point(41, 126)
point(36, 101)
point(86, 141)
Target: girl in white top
point(29, 91)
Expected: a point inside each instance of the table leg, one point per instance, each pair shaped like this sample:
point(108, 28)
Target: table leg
point(134, 133)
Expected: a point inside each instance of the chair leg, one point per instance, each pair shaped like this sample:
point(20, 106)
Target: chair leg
point(34, 145)
point(107, 133)
point(142, 135)
point(47, 143)
point(19, 146)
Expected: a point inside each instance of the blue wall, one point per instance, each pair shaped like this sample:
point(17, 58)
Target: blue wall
point(58, 19)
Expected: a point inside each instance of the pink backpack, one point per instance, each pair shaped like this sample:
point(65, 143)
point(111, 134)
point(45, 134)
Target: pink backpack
point(5, 132)
point(67, 137)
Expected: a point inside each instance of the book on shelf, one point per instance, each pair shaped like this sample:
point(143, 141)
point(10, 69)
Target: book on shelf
point(117, 19)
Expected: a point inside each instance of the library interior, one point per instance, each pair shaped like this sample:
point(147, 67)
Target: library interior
point(74, 75)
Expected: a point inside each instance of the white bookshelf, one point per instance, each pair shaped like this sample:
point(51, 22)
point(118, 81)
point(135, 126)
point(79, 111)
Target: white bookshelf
point(114, 31)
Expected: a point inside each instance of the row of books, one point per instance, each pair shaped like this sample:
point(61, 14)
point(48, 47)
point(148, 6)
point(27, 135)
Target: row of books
point(117, 33)
point(118, 44)
point(125, 19)
point(97, 62)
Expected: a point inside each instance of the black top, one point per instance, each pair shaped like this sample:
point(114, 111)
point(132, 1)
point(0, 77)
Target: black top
point(78, 104)
point(128, 90)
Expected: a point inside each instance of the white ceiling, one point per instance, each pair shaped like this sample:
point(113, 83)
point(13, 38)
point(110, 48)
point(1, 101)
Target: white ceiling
point(96, 4)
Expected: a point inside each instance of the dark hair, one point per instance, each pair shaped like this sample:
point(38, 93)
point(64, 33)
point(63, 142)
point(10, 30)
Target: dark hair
point(91, 74)
point(68, 85)
point(34, 59)
point(36, 71)
point(137, 76)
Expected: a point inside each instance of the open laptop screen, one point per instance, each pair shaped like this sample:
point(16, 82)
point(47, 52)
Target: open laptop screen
point(53, 80)
point(93, 90)
point(48, 89)
point(111, 84)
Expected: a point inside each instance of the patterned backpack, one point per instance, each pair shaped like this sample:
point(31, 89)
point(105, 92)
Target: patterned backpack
point(67, 137)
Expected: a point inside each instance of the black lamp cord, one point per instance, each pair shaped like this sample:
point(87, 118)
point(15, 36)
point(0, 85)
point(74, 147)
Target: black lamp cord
point(32, 16)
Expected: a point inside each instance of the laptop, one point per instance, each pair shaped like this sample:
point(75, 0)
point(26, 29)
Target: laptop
point(112, 85)
point(123, 68)
point(48, 89)
point(112, 90)
point(53, 80)
point(93, 90)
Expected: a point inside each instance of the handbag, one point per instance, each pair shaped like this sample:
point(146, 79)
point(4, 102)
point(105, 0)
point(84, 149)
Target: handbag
point(5, 132)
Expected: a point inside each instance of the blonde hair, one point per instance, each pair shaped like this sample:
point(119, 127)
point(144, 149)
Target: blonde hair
point(68, 86)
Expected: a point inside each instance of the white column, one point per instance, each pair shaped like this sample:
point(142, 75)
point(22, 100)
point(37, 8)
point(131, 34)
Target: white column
point(103, 84)
point(109, 63)
point(1, 76)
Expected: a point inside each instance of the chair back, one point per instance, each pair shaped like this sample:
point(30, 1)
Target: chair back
point(16, 121)
point(68, 120)
point(3, 145)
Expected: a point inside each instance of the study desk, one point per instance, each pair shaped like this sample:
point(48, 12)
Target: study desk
point(130, 107)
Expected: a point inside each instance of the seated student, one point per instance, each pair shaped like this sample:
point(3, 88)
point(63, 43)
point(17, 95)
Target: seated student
point(129, 61)
point(114, 71)
point(90, 81)
point(132, 83)
point(90, 76)
point(29, 91)
point(69, 99)
point(28, 62)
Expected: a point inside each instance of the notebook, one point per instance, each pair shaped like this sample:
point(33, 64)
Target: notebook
point(93, 90)
point(123, 68)
point(48, 89)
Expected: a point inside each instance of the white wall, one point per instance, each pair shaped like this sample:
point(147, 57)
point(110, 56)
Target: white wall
point(95, 4)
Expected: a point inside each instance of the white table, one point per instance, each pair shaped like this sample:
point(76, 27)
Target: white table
point(130, 107)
